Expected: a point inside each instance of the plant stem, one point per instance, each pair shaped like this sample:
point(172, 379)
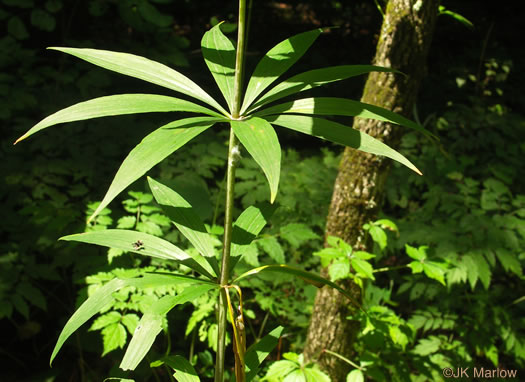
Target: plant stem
point(225, 271)
point(233, 156)
point(239, 60)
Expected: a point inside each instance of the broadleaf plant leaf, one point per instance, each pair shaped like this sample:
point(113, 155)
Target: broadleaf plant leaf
point(257, 353)
point(155, 147)
point(343, 107)
point(150, 325)
point(140, 243)
point(144, 69)
point(309, 277)
point(248, 225)
point(102, 297)
point(260, 140)
point(276, 62)
point(185, 219)
point(184, 371)
point(119, 104)
point(314, 78)
point(219, 54)
point(338, 133)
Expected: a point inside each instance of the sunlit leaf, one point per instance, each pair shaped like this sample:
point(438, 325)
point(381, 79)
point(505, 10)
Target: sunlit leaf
point(153, 149)
point(339, 133)
point(314, 78)
point(150, 325)
point(309, 277)
point(219, 54)
point(260, 140)
point(341, 106)
point(104, 296)
point(120, 104)
point(184, 371)
point(186, 219)
point(277, 61)
point(140, 243)
point(144, 69)
point(258, 352)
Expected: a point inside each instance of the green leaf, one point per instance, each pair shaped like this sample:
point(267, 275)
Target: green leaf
point(148, 245)
point(248, 225)
point(271, 246)
point(186, 220)
point(144, 69)
point(427, 346)
point(260, 139)
point(258, 352)
point(105, 320)
point(339, 269)
point(113, 337)
point(343, 107)
point(509, 261)
point(355, 375)
point(43, 20)
point(95, 303)
point(32, 294)
point(151, 14)
point(434, 271)
point(363, 268)
point(17, 28)
point(150, 325)
point(155, 147)
point(104, 296)
point(416, 253)
point(314, 78)
point(280, 369)
point(416, 266)
point(120, 104)
point(219, 54)
point(130, 321)
point(309, 277)
point(314, 374)
point(20, 305)
point(297, 233)
point(277, 61)
point(184, 371)
point(378, 235)
point(339, 133)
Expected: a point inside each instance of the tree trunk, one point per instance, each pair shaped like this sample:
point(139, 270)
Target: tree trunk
point(403, 44)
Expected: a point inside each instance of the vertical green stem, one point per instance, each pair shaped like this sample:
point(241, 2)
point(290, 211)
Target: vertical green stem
point(239, 60)
point(233, 156)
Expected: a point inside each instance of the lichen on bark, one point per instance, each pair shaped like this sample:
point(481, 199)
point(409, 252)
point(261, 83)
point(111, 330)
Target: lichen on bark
point(403, 44)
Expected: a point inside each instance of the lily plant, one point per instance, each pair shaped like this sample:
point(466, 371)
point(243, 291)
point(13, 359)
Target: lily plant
point(252, 113)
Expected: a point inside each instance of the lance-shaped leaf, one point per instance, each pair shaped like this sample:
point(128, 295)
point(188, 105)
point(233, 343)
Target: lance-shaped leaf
point(260, 139)
point(219, 54)
point(104, 296)
point(185, 218)
point(341, 106)
point(150, 325)
point(144, 69)
point(309, 277)
point(153, 149)
point(248, 225)
point(140, 243)
point(258, 352)
point(277, 61)
point(119, 104)
point(184, 371)
point(341, 134)
point(314, 78)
